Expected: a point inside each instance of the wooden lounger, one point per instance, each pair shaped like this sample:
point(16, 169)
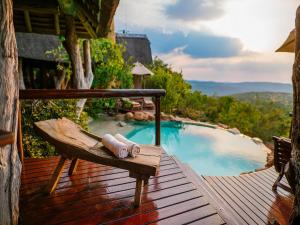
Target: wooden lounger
point(73, 143)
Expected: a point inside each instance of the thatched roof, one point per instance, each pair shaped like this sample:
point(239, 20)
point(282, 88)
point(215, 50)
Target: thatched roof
point(140, 70)
point(137, 47)
point(93, 17)
point(289, 44)
point(35, 46)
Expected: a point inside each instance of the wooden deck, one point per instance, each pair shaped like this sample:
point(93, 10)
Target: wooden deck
point(99, 194)
point(249, 198)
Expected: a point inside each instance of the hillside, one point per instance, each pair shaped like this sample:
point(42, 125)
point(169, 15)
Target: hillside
point(222, 89)
point(282, 99)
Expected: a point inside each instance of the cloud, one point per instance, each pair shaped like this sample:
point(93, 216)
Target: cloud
point(192, 10)
point(195, 44)
point(255, 67)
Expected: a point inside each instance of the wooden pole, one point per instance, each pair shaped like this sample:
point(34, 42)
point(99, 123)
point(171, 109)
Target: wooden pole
point(20, 135)
point(157, 121)
point(10, 169)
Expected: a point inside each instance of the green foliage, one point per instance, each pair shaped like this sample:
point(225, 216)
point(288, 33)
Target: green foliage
point(164, 78)
point(260, 118)
point(110, 71)
point(33, 111)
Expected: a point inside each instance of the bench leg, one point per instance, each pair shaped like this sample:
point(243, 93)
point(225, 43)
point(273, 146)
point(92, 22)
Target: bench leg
point(274, 187)
point(55, 176)
point(138, 192)
point(73, 167)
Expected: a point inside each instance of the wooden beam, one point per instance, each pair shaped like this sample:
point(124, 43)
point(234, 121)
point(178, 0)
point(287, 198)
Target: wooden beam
point(6, 138)
point(56, 24)
point(27, 21)
point(108, 10)
point(88, 93)
point(38, 6)
point(86, 24)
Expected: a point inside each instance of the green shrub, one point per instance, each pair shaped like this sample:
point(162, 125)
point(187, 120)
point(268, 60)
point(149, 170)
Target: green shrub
point(39, 110)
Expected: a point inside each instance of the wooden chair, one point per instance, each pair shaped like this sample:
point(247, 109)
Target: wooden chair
point(73, 143)
point(282, 155)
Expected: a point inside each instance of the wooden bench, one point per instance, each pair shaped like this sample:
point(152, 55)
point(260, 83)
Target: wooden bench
point(73, 143)
point(282, 155)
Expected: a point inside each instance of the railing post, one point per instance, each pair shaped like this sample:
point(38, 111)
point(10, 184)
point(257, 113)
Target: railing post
point(157, 121)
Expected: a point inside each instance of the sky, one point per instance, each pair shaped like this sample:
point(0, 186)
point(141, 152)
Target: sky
point(215, 40)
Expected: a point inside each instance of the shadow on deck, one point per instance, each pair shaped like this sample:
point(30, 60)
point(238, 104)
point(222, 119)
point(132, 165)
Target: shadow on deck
point(98, 194)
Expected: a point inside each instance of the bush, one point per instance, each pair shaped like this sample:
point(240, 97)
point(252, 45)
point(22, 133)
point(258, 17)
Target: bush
point(33, 111)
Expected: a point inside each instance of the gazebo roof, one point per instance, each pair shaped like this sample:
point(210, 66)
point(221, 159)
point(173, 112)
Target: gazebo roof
point(93, 18)
point(140, 70)
point(289, 44)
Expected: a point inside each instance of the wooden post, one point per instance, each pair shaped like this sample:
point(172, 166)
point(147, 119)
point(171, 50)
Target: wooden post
point(157, 121)
point(20, 135)
point(10, 169)
point(55, 176)
point(293, 173)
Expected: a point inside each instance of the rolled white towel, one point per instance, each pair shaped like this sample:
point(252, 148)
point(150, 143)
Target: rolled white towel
point(133, 148)
point(118, 148)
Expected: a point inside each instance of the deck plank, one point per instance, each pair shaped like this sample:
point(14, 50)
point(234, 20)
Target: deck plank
point(98, 194)
point(251, 195)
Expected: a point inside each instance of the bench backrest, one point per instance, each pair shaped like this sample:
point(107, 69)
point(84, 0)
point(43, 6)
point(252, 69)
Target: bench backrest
point(282, 152)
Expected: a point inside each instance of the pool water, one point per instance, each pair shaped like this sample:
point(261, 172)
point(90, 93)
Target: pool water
point(208, 151)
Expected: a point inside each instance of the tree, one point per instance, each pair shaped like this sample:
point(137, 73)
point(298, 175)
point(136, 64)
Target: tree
point(10, 168)
point(293, 173)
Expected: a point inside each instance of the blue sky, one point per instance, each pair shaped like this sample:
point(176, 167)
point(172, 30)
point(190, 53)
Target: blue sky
point(219, 40)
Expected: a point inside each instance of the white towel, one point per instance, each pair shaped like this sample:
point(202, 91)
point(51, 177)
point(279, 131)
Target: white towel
point(118, 148)
point(133, 148)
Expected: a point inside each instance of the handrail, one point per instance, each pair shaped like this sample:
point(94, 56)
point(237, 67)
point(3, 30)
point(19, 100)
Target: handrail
point(6, 138)
point(89, 93)
point(93, 93)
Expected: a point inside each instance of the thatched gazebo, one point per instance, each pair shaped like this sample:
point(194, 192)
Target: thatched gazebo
point(139, 72)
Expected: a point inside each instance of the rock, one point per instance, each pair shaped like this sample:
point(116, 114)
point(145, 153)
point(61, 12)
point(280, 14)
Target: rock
point(151, 116)
point(122, 124)
point(257, 140)
point(171, 118)
point(223, 125)
point(234, 131)
point(270, 160)
point(120, 117)
point(129, 116)
point(139, 116)
point(163, 116)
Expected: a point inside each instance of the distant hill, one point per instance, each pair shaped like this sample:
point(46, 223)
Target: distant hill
point(283, 99)
point(222, 89)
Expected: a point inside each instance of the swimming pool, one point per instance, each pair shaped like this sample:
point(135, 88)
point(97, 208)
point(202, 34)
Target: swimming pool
point(208, 151)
